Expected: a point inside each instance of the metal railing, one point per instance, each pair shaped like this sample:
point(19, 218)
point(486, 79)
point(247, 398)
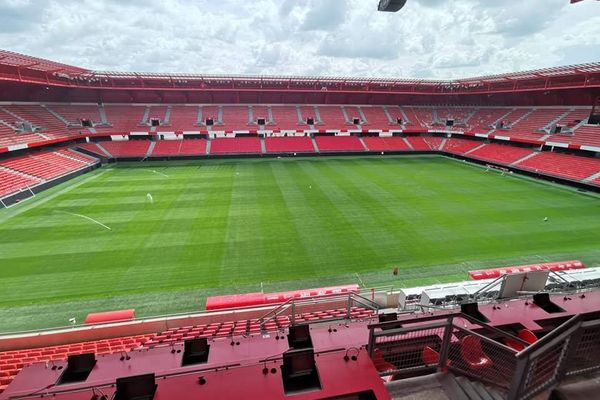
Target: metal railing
point(463, 345)
point(296, 306)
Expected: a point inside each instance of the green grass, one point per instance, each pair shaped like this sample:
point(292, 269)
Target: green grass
point(224, 226)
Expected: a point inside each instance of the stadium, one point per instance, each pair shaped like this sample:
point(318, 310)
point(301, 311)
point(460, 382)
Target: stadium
point(220, 236)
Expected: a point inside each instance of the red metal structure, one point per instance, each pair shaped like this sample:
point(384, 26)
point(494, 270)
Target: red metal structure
point(28, 78)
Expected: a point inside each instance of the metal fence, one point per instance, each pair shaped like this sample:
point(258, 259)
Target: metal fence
point(466, 346)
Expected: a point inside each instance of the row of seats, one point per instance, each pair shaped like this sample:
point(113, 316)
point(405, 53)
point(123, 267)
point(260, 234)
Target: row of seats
point(11, 362)
point(250, 326)
point(21, 172)
point(582, 168)
point(563, 165)
point(56, 120)
point(12, 181)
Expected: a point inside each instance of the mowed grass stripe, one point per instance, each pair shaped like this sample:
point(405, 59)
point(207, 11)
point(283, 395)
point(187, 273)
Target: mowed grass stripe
point(222, 226)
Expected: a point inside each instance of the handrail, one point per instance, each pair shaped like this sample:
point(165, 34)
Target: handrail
point(550, 339)
point(297, 301)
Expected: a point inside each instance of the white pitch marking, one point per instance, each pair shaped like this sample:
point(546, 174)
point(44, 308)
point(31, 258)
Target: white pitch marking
point(358, 277)
point(86, 217)
point(160, 173)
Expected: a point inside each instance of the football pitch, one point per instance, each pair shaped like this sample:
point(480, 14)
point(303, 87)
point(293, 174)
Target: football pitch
point(98, 242)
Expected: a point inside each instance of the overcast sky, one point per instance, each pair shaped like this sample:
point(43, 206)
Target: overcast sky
point(427, 39)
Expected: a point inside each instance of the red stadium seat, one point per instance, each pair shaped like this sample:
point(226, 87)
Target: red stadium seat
point(473, 354)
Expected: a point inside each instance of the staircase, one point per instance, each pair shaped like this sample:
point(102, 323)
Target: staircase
point(314, 142)
point(270, 120)
point(441, 386)
point(104, 150)
point(592, 177)
point(220, 116)
point(475, 148)
point(473, 390)
point(405, 118)
point(363, 143)
point(102, 112)
point(443, 144)
point(150, 148)
point(495, 123)
point(550, 125)
point(13, 114)
point(318, 120)
point(528, 156)
point(299, 113)
point(388, 115)
point(251, 120)
point(363, 117)
point(522, 117)
point(58, 116)
point(199, 120)
point(167, 120)
point(146, 116)
point(346, 117)
point(471, 114)
point(263, 146)
point(408, 143)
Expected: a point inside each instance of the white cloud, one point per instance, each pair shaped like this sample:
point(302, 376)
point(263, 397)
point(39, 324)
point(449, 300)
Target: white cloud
point(427, 39)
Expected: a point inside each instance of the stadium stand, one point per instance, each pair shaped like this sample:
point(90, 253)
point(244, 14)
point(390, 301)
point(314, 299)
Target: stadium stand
point(125, 118)
point(529, 127)
point(236, 118)
point(393, 143)
point(584, 135)
point(418, 143)
point(500, 153)
point(299, 144)
point(482, 119)
point(46, 164)
point(127, 148)
point(12, 181)
point(183, 118)
point(235, 145)
point(460, 145)
point(164, 148)
point(376, 117)
point(339, 143)
point(563, 165)
point(40, 117)
point(419, 116)
point(11, 362)
point(286, 118)
point(333, 118)
point(574, 116)
point(74, 113)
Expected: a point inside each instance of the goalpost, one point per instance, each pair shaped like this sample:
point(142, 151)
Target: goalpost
point(502, 170)
point(27, 188)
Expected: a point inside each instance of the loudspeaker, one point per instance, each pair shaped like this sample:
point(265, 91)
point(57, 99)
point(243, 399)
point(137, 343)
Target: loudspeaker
point(195, 352)
point(391, 5)
point(78, 368)
point(299, 371)
point(209, 122)
point(472, 310)
point(387, 317)
point(310, 121)
point(299, 337)
point(140, 387)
